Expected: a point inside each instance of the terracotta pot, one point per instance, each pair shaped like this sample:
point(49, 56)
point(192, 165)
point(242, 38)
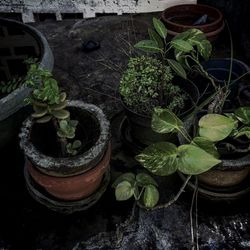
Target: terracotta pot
point(73, 187)
point(74, 177)
point(180, 18)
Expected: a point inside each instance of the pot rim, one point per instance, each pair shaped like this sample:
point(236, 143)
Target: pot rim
point(218, 20)
point(46, 54)
point(68, 164)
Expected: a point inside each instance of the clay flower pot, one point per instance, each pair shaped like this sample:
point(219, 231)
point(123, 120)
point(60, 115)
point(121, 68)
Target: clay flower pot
point(69, 178)
point(18, 42)
point(180, 18)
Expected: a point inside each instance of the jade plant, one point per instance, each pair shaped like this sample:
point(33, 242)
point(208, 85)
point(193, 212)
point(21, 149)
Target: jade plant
point(147, 82)
point(49, 104)
point(199, 153)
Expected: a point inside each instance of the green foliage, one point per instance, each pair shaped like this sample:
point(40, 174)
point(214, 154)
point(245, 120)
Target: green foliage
point(130, 185)
point(11, 85)
point(141, 83)
point(147, 82)
point(49, 104)
point(200, 154)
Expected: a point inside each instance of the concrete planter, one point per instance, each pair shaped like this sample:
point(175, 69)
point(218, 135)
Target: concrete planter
point(18, 42)
point(77, 177)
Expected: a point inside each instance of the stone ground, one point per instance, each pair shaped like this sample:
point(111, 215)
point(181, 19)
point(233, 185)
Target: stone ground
point(94, 78)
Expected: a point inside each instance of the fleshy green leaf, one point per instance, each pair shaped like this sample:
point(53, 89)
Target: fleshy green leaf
point(206, 145)
point(59, 106)
point(177, 68)
point(63, 96)
point(205, 49)
point(61, 114)
point(44, 119)
point(76, 144)
point(145, 179)
point(151, 196)
point(215, 127)
point(124, 191)
point(155, 37)
point(130, 177)
point(159, 158)
point(243, 114)
point(181, 45)
point(165, 121)
point(160, 28)
point(148, 46)
point(244, 131)
point(194, 160)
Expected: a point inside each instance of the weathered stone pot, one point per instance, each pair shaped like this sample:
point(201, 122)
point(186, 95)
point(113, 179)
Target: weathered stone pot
point(182, 17)
point(18, 42)
point(76, 177)
point(140, 125)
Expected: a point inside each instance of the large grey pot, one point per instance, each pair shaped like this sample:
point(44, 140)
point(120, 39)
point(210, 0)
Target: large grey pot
point(13, 109)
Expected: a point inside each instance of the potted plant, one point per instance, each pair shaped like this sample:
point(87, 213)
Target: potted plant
point(66, 143)
point(182, 17)
point(159, 80)
point(199, 151)
point(18, 42)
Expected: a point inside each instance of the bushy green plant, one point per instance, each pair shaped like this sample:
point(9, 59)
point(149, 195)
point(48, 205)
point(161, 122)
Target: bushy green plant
point(49, 104)
point(147, 82)
point(141, 84)
point(199, 154)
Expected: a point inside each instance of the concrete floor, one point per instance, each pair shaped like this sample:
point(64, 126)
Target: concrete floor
point(94, 78)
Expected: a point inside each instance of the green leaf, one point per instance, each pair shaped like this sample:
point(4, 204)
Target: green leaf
point(76, 144)
point(39, 113)
point(145, 179)
point(151, 196)
point(59, 106)
point(181, 45)
point(63, 96)
point(155, 37)
point(215, 127)
point(205, 49)
point(165, 121)
point(159, 158)
point(243, 114)
point(160, 28)
point(124, 191)
point(206, 145)
point(177, 68)
point(44, 119)
point(244, 131)
point(194, 160)
point(130, 177)
point(148, 46)
point(61, 114)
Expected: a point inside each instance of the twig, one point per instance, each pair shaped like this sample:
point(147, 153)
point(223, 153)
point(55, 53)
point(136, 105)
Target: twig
point(169, 203)
point(196, 217)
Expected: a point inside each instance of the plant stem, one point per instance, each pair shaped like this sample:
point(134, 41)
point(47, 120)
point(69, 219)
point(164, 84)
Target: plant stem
point(169, 203)
point(62, 141)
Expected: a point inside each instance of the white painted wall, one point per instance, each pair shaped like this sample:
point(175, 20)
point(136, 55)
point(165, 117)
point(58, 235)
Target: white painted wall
point(89, 8)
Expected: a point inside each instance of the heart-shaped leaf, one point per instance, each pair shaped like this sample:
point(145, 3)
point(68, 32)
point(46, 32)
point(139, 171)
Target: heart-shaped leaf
point(130, 177)
point(151, 196)
point(123, 191)
point(193, 160)
point(165, 121)
point(177, 68)
point(206, 145)
point(160, 28)
point(215, 127)
point(143, 179)
point(243, 114)
point(159, 158)
point(244, 131)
